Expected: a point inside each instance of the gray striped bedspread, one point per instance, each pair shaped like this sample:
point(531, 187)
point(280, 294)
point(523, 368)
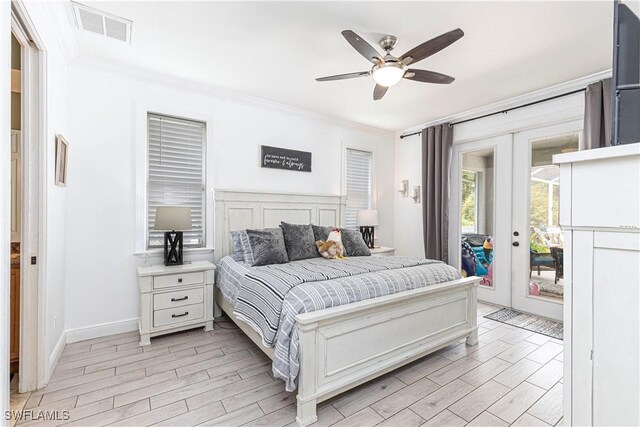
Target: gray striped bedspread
point(270, 297)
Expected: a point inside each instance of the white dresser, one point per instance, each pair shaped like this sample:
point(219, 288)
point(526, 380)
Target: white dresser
point(175, 298)
point(600, 216)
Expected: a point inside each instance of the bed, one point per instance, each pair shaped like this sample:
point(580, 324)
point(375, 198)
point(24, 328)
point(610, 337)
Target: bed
point(340, 347)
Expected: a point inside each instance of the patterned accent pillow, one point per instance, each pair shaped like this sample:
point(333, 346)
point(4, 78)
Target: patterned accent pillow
point(267, 246)
point(246, 247)
point(320, 232)
point(238, 252)
point(353, 243)
point(299, 241)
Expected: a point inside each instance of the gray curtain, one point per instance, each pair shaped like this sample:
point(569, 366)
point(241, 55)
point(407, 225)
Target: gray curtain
point(436, 153)
point(597, 115)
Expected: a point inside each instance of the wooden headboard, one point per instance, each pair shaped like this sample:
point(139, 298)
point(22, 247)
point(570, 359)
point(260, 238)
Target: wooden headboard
point(237, 210)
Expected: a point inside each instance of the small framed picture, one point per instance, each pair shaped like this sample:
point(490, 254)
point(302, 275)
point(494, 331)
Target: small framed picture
point(62, 149)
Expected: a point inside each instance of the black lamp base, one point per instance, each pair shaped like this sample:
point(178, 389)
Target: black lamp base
point(367, 235)
point(172, 248)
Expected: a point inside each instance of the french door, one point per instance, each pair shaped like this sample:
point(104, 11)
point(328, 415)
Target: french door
point(538, 248)
point(481, 218)
point(504, 214)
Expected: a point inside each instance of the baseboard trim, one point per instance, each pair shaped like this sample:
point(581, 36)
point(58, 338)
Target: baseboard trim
point(101, 330)
point(55, 356)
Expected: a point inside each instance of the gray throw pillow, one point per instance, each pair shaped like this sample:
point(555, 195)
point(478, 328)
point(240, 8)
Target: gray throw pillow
point(321, 232)
point(246, 247)
point(238, 252)
point(299, 241)
point(353, 243)
point(267, 246)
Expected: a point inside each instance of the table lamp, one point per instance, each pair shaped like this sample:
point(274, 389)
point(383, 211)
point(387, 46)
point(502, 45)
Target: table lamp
point(367, 220)
point(169, 219)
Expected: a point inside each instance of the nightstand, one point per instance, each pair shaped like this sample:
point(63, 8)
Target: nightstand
point(383, 251)
point(175, 298)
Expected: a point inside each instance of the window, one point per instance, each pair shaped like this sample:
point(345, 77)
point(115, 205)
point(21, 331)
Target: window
point(359, 178)
point(469, 201)
point(176, 174)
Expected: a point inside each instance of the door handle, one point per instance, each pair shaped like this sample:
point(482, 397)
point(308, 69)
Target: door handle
point(515, 233)
point(516, 244)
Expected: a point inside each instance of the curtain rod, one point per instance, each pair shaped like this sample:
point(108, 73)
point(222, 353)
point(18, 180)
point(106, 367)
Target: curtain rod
point(506, 110)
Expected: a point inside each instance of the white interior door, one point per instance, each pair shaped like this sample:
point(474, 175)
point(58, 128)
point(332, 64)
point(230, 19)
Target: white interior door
point(536, 239)
point(480, 215)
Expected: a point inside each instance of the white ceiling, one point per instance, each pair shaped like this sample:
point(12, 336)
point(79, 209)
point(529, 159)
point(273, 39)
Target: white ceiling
point(275, 50)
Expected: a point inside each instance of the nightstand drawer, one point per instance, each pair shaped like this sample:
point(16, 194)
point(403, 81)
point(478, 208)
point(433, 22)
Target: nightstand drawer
point(178, 298)
point(176, 315)
point(183, 279)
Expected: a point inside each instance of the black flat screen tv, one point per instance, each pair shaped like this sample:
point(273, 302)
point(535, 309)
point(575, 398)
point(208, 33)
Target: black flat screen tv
point(626, 76)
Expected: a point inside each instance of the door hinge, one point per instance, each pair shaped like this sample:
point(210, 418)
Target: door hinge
point(591, 355)
point(33, 260)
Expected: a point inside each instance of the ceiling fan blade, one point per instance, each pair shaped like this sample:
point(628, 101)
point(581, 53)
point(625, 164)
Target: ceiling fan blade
point(364, 48)
point(426, 76)
point(379, 92)
point(432, 46)
point(343, 76)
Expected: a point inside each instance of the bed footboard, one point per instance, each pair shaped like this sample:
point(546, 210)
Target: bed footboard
point(343, 347)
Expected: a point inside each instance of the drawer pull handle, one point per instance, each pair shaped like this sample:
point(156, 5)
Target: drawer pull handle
point(180, 315)
point(180, 299)
point(180, 280)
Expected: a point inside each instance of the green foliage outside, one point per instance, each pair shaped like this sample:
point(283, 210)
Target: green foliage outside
point(539, 204)
point(539, 212)
point(468, 199)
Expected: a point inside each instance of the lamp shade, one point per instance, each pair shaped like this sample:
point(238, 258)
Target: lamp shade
point(367, 217)
point(172, 218)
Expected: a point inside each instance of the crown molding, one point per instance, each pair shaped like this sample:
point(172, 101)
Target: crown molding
point(203, 88)
point(514, 101)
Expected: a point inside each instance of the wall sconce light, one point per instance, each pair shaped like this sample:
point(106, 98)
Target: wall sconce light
point(416, 194)
point(404, 188)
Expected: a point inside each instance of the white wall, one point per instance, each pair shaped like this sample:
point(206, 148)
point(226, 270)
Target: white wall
point(55, 108)
point(407, 214)
point(101, 265)
point(408, 155)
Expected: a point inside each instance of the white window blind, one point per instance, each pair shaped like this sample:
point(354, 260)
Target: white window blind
point(359, 179)
point(176, 174)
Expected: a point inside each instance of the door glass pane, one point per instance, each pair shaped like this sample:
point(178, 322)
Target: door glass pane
point(477, 214)
point(546, 253)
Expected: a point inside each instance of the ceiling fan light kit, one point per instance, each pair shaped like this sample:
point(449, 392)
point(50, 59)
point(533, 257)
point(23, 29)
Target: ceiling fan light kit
point(387, 71)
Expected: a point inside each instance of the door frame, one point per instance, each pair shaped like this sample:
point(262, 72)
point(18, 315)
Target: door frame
point(521, 212)
point(5, 201)
point(502, 146)
point(33, 369)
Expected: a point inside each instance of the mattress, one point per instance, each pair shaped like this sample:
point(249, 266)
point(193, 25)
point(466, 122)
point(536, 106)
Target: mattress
point(269, 298)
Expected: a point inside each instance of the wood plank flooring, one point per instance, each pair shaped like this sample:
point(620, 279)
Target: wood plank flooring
point(219, 378)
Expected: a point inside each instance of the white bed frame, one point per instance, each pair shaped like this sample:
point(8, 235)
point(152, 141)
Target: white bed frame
point(343, 347)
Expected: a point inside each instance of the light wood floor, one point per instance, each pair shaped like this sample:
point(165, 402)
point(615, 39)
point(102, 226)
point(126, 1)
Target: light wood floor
point(220, 378)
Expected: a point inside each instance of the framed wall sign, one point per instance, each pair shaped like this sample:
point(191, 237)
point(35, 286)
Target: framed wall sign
point(282, 158)
point(62, 148)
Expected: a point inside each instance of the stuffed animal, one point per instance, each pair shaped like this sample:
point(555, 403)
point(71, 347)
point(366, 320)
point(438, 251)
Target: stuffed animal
point(487, 280)
point(332, 248)
point(488, 249)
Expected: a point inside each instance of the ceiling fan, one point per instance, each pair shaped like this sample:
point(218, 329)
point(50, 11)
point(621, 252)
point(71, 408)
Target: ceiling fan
point(388, 70)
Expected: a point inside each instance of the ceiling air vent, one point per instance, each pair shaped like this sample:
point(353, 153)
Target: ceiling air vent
point(99, 22)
